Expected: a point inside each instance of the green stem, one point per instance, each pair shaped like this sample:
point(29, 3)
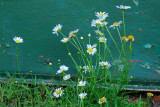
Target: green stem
point(17, 61)
point(124, 24)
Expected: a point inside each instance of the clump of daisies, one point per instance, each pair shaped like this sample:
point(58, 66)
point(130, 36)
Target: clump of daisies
point(101, 19)
point(90, 54)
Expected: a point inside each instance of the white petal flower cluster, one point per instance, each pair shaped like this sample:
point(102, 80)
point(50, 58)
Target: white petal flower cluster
point(57, 29)
point(91, 49)
point(101, 19)
point(62, 69)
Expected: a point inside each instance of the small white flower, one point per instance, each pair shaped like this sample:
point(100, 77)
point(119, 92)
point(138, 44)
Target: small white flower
point(99, 32)
point(58, 92)
point(105, 64)
point(62, 69)
point(57, 29)
point(101, 14)
point(102, 39)
point(91, 49)
point(67, 77)
point(123, 7)
point(73, 33)
point(87, 68)
point(50, 63)
point(89, 35)
point(82, 95)
point(18, 39)
point(64, 40)
point(116, 24)
point(82, 83)
point(102, 100)
point(81, 38)
point(96, 23)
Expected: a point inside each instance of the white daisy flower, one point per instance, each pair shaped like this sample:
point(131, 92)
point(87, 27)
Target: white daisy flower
point(101, 14)
point(102, 100)
point(96, 23)
point(57, 29)
point(99, 32)
point(125, 38)
point(91, 49)
point(82, 83)
point(116, 24)
point(102, 39)
point(64, 40)
point(123, 7)
point(73, 33)
point(58, 92)
point(62, 69)
point(82, 95)
point(105, 64)
point(87, 68)
point(67, 77)
point(18, 39)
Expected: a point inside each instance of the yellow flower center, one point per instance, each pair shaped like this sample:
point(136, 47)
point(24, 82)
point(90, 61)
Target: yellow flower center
point(115, 23)
point(149, 94)
point(58, 30)
point(58, 92)
point(124, 37)
point(71, 35)
point(101, 40)
point(90, 49)
point(17, 41)
point(82, 96)
point(82, 84)
point(62, 70)
point(101, 14)
point(130, 37)
point(89, 68)
point(123, 8)
point(102, 99)
point(103, 63)
point(65, 41)
point(97, 24)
